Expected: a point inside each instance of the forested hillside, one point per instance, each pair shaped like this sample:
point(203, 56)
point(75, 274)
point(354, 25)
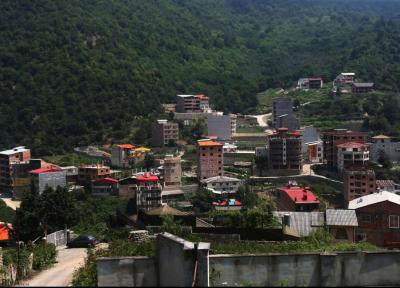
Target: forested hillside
point(75, 72)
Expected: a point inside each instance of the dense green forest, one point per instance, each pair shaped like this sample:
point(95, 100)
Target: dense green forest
point(75, 72)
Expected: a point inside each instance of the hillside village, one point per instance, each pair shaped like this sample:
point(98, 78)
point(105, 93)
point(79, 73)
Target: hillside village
point(231, 177)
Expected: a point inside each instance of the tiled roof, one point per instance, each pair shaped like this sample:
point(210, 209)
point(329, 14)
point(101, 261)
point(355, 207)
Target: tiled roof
point(126, 146)
point(166, 210)
point(208, 143)
point(147, 178)
point(341, 217)
point(44, 170)
point(374, 199)
point(107, 180)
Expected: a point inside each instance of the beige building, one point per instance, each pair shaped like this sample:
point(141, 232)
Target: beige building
point(163, 132)
point(210, 159)
point(172, 171)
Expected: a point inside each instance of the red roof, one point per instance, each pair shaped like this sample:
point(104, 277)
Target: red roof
point(126, 146)
point(107, 180)
point(202, 97)
point(300, 194)
point(147, 178)
point(296, 133)
point(315, 78)
point(45, 170)
point(352, 145)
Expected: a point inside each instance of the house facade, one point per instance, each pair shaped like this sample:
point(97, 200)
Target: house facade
point(163, 132)
point(339, 136)
point(379, 219)
point(295, 198)
point(284, 150)
point(222, 184)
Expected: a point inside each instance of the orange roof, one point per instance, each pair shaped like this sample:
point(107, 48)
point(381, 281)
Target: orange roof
point(5, 231)
point(208, 143)
point(126, 146)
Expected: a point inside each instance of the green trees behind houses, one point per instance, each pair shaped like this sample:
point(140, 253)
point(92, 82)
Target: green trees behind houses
point(78, 72)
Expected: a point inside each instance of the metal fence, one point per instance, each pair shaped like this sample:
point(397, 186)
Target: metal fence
point(58, 238)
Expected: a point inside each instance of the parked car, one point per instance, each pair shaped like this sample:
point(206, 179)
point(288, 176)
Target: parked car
point(83, 241)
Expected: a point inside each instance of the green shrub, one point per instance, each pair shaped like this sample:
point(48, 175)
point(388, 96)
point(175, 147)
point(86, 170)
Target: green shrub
point(44, 255)
point(86, 276)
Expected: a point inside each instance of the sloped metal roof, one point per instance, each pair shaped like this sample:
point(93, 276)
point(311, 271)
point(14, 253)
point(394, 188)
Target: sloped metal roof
point(341, 217)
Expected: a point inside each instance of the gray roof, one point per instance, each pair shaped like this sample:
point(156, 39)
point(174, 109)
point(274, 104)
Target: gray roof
point(362, 85)
point(340, 217)
point(306, 222)
point(303, 222)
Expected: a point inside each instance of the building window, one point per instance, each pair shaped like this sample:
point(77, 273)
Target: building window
point(394, 221)
point(365, 218)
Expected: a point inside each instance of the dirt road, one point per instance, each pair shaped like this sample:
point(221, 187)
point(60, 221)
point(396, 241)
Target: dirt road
point(61, 274)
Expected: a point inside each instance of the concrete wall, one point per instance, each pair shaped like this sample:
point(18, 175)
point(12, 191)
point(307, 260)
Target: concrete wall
point(178, 263)
point(306, 269)
point(126, 272)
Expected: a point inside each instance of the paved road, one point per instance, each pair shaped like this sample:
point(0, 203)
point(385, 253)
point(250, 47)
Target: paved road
point(262, 119)
point(11, 203)
point(61, 274)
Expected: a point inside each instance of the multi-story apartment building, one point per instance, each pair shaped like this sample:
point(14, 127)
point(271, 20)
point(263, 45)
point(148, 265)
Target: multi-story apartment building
point(284, 150)
point(294, 198)
point(89, 173)
point(144, 189)
point(164, 132)
point(9, 159)
point(358, 181)
point(52, 178)
point(192, 103)
point(352, 153)
point(172, 171)
point(378, 217)
point(339, 136)
point(281, 106)
point(382, 143)
point(122, 155)
point(210, 159)
point(221, 126)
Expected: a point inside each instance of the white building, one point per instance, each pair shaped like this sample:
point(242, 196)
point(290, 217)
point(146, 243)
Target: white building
point(352, 153)
point(229, 148)
point(222, 184)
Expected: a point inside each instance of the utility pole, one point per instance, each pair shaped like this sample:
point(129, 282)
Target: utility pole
point(18, 244)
